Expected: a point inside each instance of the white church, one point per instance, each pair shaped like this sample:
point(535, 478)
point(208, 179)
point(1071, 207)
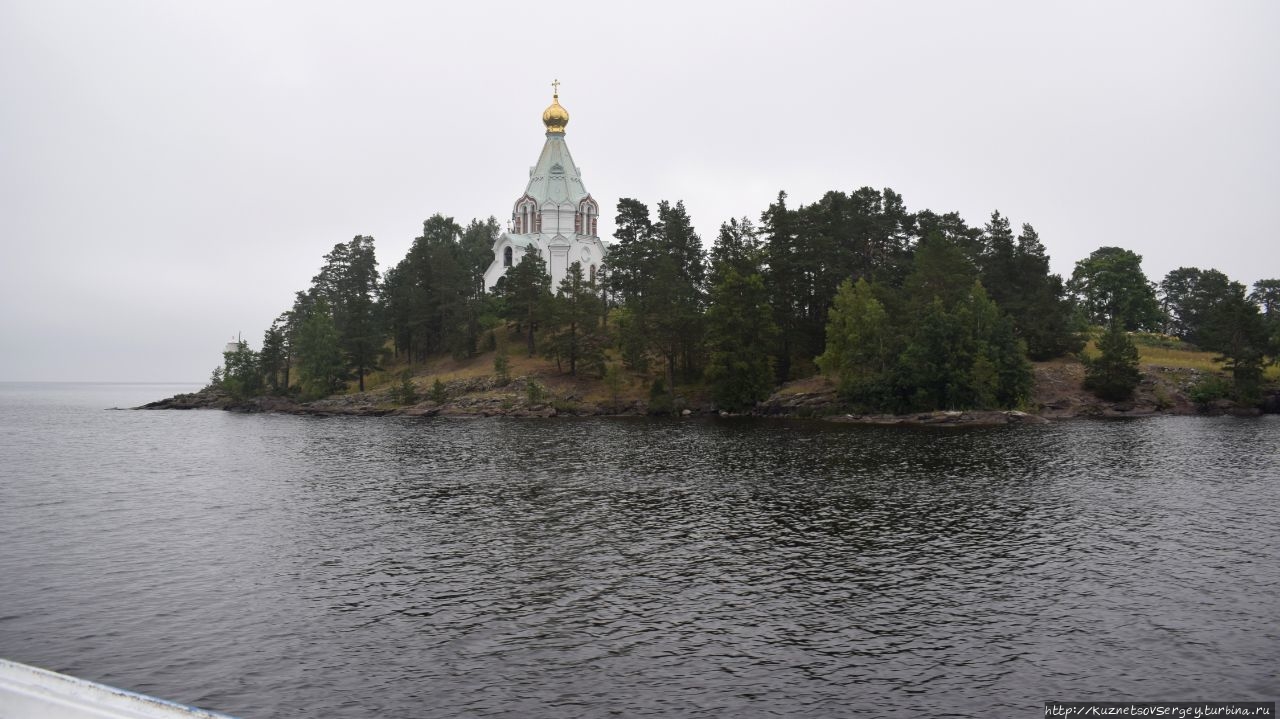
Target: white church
point(556, 215)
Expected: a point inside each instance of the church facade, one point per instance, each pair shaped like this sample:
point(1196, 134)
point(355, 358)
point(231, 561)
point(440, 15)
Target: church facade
point(555, 216)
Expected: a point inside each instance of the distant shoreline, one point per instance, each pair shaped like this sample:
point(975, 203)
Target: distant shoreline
point(191, 383)
point(1058, 395)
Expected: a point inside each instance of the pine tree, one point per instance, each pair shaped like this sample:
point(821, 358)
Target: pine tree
point(677, 291)
point(576, 337)
point(953, 229)
point(738, 247)
point(999, 265)
point(1114, 374)
point(940, 270)
point(476, 251)
point(1017, 277)
point(1043, 314)
point(429, 296)
point(321, 366)
point(811, 249)
point(1191, 298)
point(475, 254)
point(525, 291)
point(740, 331)
point(785, 280)
point(274, 357)
point(1266, 294)
point(1239, 333)
point(657, 272)
point(356, 313)
point(631, 256)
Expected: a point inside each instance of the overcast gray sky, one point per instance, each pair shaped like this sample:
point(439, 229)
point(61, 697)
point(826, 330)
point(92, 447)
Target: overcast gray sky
point(172, 172)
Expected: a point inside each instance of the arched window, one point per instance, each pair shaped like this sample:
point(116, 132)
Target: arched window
point(506, 257)
point(593, 274)
point(585, 221)
point(523, 215)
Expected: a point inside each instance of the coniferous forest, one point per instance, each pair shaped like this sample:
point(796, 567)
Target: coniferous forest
point(905, 311)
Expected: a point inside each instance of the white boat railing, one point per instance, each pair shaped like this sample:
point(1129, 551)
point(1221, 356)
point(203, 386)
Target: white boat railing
point(28, 692)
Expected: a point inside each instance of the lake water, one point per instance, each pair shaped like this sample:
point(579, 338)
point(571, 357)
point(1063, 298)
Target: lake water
point(279, 566)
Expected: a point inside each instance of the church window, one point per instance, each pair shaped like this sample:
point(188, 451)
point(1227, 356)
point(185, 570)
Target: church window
point(523, 218)
point(506, 257)
point(588, 211)
point(593, 274)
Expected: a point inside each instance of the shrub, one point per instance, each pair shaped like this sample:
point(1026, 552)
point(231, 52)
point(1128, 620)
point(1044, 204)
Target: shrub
point(502, 368)
point(1210, 388)
point(614, 381)
point(534, 392)
point(659, 400)
point(439, 393)
point(406, 392)
point(1163, 401)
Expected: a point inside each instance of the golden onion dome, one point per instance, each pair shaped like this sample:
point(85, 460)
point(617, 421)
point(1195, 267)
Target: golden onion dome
point(555, 117)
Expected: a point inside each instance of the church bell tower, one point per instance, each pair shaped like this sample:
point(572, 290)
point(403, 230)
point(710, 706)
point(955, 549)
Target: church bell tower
point(555, 215)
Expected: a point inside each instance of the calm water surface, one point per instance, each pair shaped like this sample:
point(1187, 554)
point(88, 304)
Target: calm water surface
point(271, 566)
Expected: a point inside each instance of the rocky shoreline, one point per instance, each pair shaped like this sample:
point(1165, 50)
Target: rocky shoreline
point(1058, 395)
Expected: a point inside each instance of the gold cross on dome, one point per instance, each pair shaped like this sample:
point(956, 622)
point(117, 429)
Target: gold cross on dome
point(555, 87)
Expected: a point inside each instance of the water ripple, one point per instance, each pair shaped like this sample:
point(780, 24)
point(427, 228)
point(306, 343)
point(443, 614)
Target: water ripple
point(283, 566)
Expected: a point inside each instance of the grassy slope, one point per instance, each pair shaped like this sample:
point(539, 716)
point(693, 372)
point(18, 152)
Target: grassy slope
point(1156, 351)
point(584, 387)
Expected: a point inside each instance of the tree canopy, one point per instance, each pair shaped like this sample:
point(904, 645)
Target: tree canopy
point(1110, 286)
point(906, 310)
point(1114, 374)
point(739, 324)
